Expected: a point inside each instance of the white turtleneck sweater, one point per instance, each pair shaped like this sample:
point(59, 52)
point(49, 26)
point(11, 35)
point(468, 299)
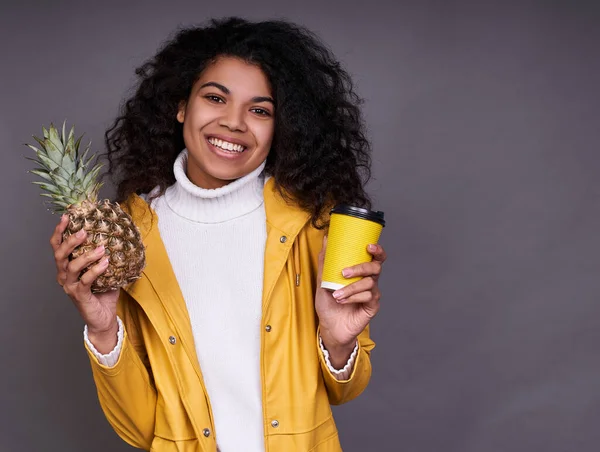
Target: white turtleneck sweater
point(215, 240)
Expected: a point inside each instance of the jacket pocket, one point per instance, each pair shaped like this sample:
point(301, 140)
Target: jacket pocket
point(329, 444)
point(166, 445)
point(171, 422)
point(323, 438)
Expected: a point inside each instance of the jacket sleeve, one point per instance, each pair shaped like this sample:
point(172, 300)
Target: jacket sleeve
point(126, 390)
point(108, 359)
point(342, 391)
point(345, 372)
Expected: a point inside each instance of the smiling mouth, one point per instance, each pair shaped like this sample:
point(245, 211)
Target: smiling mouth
point(227, 146)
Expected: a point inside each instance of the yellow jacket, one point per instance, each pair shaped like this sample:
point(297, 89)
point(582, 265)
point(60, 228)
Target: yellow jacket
point(155, 398)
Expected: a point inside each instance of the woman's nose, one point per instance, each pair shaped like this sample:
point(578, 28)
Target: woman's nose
point(234, 119)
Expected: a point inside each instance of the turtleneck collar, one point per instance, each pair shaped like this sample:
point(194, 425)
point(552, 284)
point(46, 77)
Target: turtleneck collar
point(202, 205)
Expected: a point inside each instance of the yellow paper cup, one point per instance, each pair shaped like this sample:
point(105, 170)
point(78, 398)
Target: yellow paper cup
point(351, 230)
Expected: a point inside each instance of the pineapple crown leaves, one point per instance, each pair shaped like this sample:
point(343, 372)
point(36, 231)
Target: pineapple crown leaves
point(64, 171)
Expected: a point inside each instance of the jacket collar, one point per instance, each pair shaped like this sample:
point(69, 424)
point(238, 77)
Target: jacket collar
point(283, 219)
point(285, 216)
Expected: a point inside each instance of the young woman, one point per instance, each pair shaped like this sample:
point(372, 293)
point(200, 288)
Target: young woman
point(240, 138)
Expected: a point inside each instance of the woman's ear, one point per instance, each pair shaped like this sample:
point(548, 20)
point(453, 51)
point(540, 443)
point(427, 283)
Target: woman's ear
point(181, 112)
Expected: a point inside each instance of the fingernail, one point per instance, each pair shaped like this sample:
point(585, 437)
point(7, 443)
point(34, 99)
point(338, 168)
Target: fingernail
point(372, 248)
point(346, 272)
point(64, 215)
point(104, 262)
point(99, 250)
point(80, 233)
point(338, 294)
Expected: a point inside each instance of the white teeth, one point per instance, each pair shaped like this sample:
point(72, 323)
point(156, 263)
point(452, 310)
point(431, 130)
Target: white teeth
point(225, 145)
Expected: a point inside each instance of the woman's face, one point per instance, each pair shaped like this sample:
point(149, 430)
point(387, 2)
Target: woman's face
point(228, 122)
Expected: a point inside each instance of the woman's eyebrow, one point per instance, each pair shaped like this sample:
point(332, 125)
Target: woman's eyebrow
point(263, 99)
point(218, 86)
point(225, 90)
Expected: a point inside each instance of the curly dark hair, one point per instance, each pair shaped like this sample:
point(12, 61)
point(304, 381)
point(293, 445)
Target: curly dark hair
point(320, 155)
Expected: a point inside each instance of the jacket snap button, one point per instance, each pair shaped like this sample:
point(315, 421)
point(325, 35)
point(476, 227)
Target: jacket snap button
point(268, 328)
point(283, 239)
point(206, 432)
point(172, 340)
point(275, 423)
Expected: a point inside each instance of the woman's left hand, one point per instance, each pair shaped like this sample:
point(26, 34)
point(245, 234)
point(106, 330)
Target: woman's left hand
point(345, 313)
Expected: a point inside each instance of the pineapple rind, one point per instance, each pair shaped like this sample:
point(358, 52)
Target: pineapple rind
point(107, 224)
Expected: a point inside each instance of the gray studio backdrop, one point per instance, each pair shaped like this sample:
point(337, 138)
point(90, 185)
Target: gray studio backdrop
point(485, 124)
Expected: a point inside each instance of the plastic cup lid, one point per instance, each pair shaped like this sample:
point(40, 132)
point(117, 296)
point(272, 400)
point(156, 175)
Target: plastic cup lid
point(360, 212)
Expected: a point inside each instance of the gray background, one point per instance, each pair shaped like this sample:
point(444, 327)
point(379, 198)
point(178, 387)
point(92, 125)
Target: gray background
point(485, 122)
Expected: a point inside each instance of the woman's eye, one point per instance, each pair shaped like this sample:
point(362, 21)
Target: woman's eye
point(261, 112)
point(213, 98)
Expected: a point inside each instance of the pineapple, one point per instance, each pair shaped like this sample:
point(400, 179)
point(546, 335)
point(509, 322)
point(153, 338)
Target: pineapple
point(73, 189)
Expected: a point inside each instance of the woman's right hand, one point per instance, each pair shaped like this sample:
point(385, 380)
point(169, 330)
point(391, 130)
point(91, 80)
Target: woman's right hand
point(98, 310)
